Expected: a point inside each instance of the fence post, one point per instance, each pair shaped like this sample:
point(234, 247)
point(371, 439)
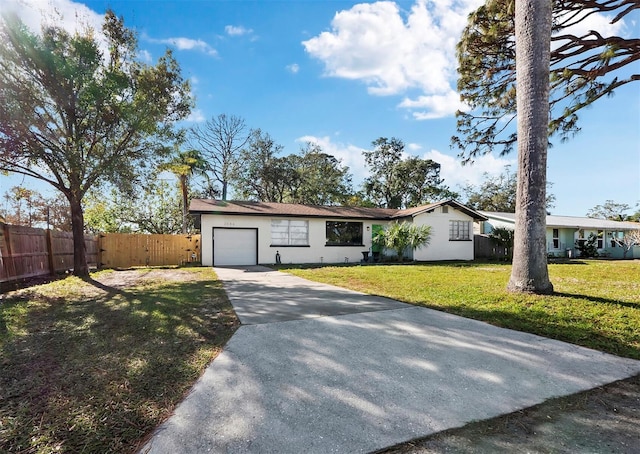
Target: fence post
point(10, 259)
point(50, 258)
point(99, 251)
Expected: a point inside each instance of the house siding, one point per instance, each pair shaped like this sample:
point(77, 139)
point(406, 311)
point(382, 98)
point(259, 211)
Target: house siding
point(440, 247)
point(568, 237)
point(315, 252)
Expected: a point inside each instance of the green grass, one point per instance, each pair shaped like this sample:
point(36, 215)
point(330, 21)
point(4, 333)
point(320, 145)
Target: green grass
point(85, 367)
point(596, 303)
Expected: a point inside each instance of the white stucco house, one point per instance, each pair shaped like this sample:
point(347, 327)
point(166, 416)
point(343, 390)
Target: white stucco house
point(249, 233)
point(564, 232)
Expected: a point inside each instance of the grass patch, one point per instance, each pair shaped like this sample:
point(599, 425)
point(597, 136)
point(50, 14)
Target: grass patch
point(596, 303)
point(95, 365)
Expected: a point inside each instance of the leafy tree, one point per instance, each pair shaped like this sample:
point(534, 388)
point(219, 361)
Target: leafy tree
point(73, 115)
point(402, 236)
point(157, 210)
point(184, 165)
point(104, 211)
point(19, 206)
point(503, 237)
point(220, 141)
point(56, 212)
point(583, 68)
point(154, 207)
point(28, 207)
point(529, 272)
point(398, 182)
point(260, 174)
point(589, 247)
point(312, 177)
point(497, 193)
point(610, 210)
point(321, 179)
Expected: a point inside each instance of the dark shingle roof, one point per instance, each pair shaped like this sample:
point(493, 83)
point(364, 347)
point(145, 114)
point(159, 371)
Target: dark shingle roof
point(207, 206)
point(204, 206)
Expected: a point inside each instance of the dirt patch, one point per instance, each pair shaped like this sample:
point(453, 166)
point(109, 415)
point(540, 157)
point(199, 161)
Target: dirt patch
point(603, 420)
point(130, 278)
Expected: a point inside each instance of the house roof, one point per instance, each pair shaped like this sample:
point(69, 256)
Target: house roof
point(570, 221)
point(208, 206)
point(427, 208)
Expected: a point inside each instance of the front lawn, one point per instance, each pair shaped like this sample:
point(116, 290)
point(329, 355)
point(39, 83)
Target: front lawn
point(94, 366)
point(596, 304)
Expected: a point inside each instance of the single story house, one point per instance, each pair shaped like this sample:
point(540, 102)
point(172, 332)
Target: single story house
point(564, 232)
point(250, 233)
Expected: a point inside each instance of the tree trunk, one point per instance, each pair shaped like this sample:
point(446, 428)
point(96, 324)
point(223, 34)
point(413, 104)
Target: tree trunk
point(185, 199)
point(224, 190)
point(533, 35)
point(80, 267)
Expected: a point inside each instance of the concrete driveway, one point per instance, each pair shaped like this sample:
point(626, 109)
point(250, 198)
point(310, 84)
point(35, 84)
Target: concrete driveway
point(320, 369)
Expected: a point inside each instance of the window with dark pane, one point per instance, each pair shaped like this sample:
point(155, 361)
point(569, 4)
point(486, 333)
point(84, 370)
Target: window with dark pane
point(342, 233)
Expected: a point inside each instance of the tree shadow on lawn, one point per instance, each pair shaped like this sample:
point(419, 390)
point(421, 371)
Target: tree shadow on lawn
point(598, 299)
point(97, 373)
point(535, 321)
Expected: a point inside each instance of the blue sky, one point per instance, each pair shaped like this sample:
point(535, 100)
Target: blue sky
point(343, 73)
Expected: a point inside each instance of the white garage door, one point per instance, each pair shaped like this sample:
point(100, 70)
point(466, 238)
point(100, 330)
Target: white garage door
point(235, 247)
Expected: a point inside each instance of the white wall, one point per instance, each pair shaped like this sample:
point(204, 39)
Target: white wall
point(495, 223)
point(316, 252)
point(440, 248)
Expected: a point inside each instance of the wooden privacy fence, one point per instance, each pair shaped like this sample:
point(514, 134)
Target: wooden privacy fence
point(483, 247)
point(27, 252)
point(122, 250)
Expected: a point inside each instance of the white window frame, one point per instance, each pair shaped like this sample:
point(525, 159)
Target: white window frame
point(289, 232)
point(459, 230)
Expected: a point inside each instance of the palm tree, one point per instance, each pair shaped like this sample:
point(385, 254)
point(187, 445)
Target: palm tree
point(533, 36)
point(184, 165)
point(401, 236)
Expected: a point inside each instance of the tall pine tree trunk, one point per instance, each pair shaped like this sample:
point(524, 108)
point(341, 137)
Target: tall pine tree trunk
point(80, 266)
point(184, 189)
point(224, 190)
point(533, 37)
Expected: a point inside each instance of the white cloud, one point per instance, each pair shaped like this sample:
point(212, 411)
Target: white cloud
point(182, 43)
point(394, 51)
point(456, 175)
point(66, 14)
point(434, 106)
point(196, 116)
point(145, 56)
point(76, 17)
point(349, 155)
point(293, 68)
point(600, 22)
point(584, 25)
point(233, 30)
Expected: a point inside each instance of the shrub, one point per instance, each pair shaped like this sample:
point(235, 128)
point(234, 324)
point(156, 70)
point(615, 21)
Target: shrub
point(401, 236)
point(588, 247)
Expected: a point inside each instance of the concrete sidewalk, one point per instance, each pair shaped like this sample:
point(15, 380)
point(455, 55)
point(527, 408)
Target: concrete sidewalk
point(382, 374)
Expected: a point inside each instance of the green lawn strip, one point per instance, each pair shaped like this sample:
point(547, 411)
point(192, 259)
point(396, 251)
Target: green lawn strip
point(88, 368)
point(596, 303)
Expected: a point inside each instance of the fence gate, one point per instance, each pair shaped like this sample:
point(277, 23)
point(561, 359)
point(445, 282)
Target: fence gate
point(123, 250)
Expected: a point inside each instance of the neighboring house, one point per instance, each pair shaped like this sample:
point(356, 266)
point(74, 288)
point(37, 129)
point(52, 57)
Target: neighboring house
point(249, 233)
point(564, 232)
